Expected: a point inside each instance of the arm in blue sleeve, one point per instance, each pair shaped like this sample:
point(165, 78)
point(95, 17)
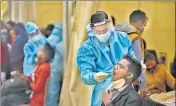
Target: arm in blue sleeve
point(137, 49)
point(30, 52)
point(60, 48)
point(86, 65)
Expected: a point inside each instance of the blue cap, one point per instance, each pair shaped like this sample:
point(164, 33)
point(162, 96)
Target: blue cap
point(31, 27)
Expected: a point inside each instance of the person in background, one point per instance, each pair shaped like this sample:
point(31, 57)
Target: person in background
point(157, 76)
point(48, 30)
point(35, 42)
point(3, 63)
point(173, 70)
point(13, 36)
point(16, 52)
point(5, 40)
point(56, 41)
point(43, 31)
point(40, 75)
point(10, 25)
point(113, 20)
point(122, 93)
point(138, 20)
point(5, 34)
point(100, 53)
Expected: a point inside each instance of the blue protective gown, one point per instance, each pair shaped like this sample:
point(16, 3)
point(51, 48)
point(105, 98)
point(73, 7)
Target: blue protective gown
point(94, 56)
point(55, 40)
point(31, 49)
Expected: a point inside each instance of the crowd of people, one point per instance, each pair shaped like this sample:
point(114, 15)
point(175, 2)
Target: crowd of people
point(31, 57)
point(114, 60)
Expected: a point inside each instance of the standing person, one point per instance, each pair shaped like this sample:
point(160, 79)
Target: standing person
point(49, 30)
point(5, 38)
point(138, 20)
point(10, 25)
point(35, 42)
point(56, 41)
point(100, 53)
point(3, 63)
point(5, 34)
point(16, 52)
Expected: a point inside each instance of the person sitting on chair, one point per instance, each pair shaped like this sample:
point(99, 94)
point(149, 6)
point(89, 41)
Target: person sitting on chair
point(121, 92)
point(157, 76)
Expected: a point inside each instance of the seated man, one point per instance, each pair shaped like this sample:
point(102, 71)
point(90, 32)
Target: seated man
point(157, 76)
point(122, 93)
point(40, 75)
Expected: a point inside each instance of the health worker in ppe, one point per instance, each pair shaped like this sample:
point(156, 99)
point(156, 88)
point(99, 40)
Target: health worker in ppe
point(56, 78)
point(35, 42)
point(100, 53)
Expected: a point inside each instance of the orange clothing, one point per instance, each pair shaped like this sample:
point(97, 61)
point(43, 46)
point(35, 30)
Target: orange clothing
point(41, 74)
point(159, 78)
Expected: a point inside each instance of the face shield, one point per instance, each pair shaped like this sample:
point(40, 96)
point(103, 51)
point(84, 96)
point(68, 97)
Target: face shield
point(101, 27)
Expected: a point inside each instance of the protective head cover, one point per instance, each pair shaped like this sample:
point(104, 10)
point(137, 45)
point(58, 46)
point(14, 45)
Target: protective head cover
point(31, 27)
point(56, 35)
point(31, 48)
point(33, 31)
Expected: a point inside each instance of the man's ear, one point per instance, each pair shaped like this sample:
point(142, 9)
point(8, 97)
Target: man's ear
point(130, 75)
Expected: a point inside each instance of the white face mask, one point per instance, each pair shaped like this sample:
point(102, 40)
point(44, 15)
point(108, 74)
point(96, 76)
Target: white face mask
point(4, 31)
point(103, 37)
point(36, 38)
point(141, 29)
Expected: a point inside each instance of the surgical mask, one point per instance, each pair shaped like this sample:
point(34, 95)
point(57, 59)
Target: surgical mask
point(141, 29)
point(103, 37)
point(4, 31)
point(151, 69)
point(36, 38)
point(116, 84)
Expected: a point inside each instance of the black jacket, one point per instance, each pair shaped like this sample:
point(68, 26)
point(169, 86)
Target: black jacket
point(128, 97)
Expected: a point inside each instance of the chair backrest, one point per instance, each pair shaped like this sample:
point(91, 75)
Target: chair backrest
point(46, 90)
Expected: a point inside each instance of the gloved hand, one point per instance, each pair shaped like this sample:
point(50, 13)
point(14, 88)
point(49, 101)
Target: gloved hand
point(100, 76)
point(143, 66)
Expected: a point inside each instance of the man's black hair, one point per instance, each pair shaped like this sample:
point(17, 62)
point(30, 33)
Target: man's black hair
point(145, 44)
point(12, 23)
point(49, 51)
point(149, 56)
point(137, 15)
point(99, 16)
point(134, 67)
point(113, 20)
point(50, 27)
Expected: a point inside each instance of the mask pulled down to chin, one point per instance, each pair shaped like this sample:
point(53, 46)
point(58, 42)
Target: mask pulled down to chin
point(116, 84)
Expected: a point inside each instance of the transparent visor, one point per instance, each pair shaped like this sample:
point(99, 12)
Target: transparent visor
point(101, 29)
point(33, 33)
